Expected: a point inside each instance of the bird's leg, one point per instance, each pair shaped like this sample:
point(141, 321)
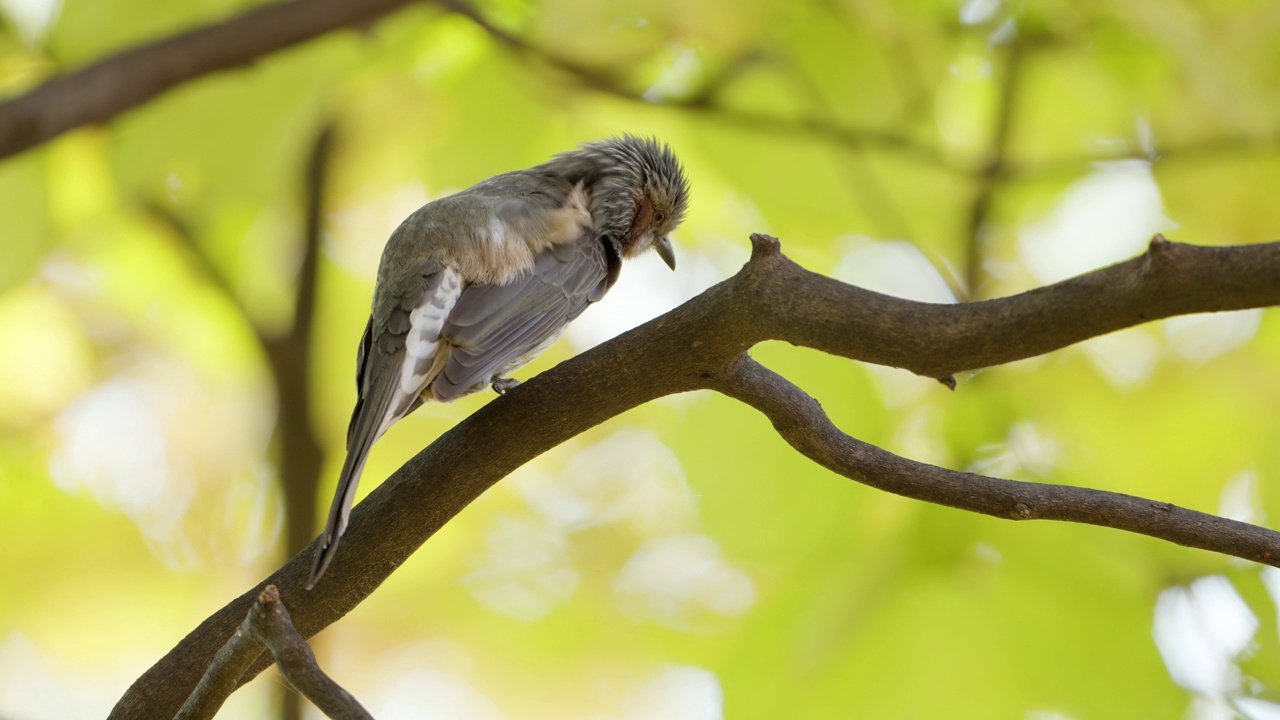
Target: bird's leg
point(503, 385)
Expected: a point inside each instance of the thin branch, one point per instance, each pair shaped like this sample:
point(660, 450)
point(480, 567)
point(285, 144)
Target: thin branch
point(288, 355)
point(223, 671)
point(993, 170)
point(605, 82)
point(800, 420)
point(268, 625)
point(301, 456)
point(697, 346)
point(586, 75)
point(121, 82)
point(891, 39)
point(288, 352)
point(879, 205)
point(1213, 147)
point(196, 254)
point(857, 138)
point(733, 70)
point(101, 91)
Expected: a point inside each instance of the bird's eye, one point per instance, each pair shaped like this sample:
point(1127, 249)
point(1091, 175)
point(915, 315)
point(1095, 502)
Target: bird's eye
point(660, 218)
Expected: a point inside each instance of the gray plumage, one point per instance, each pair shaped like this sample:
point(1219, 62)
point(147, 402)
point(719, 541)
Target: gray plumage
point(475, 285)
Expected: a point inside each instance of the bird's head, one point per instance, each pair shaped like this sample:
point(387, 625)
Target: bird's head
point(638, 195)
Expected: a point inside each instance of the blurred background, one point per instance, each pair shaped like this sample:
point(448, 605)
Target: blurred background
point(177, 344)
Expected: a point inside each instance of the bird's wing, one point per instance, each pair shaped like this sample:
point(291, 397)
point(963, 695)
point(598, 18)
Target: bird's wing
point(494, 329)
point(397, 356)
point(402, 350)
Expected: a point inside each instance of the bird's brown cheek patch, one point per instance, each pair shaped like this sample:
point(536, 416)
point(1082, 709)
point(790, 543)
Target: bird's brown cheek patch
point(640, 222)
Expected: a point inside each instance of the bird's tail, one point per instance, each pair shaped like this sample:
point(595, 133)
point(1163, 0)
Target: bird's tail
point(372, 416)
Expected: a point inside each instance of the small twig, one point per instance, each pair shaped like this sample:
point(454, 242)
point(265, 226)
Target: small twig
point(268, 625)
point(867, 188)
point(272, 627)
point(222, 673)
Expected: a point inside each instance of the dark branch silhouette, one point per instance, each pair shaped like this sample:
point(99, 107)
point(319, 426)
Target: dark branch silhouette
point(980, 208)
point(287, 352)
point(701, 345)
point(800, 420)
point(288, 356)
point(301, 455)
point(101, 91)
point(609, 83)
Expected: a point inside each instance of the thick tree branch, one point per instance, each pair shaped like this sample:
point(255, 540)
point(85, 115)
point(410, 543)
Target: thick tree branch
point(118, 83)
point(932, 340)
point(699, 345)
point(268, 625)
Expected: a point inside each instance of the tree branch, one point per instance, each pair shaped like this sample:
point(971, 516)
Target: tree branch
point(301, 456)
point(605, 82)
point(800, 420)
point(988, 174)
point(699, 345)
point(118, 83)
point(288, 352)
point(288, 356)
point(97, 93)
point(268, 625)
point(993, 169)
point(940, 340)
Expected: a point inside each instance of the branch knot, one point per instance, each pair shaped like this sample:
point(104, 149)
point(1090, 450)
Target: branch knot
point(763, 246)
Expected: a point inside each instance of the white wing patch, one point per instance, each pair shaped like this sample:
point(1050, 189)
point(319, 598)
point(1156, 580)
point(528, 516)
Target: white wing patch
point(423, 341)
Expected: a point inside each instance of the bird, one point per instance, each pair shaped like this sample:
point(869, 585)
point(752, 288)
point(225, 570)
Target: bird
point(474, 285)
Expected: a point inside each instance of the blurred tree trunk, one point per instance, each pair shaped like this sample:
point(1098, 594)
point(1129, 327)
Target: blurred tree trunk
point(301, 456)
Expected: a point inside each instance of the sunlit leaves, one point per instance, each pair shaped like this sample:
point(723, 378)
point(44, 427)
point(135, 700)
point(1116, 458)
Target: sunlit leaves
point(682, 556)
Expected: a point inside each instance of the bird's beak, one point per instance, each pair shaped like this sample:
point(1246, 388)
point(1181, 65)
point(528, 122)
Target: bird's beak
point(663, 246)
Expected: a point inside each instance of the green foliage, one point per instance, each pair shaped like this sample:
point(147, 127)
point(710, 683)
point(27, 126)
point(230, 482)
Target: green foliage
point(144, 262)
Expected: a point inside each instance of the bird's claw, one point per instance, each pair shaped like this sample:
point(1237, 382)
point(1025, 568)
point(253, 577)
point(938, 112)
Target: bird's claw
point(504, 385)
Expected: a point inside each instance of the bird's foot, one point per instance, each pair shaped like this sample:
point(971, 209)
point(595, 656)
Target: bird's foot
point(502, 385)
